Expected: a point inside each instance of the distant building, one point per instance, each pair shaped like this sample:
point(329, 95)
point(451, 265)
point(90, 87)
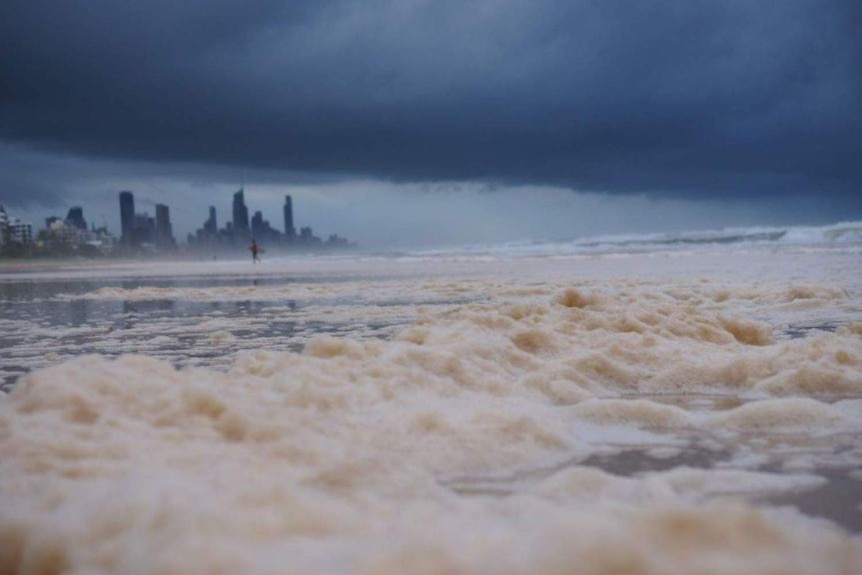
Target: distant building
point(62, 238)
point(207, 234)
point(240, 214)
point(141, 230)
point(17, 232)
point(127, 218)
point(75, 218)
point(289, 230)
point(211, 225)
point(15, 235)
point(144, 230)
point(59, 236)
point(307, 237)
point(335, 241)
point(261, 230)
point(257, 225)
point(164, 236)
point(4, 226)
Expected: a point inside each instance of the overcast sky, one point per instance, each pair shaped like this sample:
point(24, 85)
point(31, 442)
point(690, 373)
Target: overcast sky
point(506, 119)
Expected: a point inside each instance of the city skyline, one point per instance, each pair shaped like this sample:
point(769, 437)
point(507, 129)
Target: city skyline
point(141, 233)
point(240, 229)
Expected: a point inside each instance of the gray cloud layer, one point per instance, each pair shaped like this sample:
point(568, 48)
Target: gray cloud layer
point(697, 97)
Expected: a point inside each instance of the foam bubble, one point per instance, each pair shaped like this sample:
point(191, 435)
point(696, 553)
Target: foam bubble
point(797, 413)
point(638, 412)
point(221, 336)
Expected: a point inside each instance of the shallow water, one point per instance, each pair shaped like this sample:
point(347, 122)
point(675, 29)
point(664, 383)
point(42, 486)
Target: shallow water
point(686, 411)
point(175, 318)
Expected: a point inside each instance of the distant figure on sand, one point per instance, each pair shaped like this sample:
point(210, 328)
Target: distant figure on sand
point(255, 249)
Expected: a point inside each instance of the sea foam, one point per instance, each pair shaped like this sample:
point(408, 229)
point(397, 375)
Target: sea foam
point(351, 455)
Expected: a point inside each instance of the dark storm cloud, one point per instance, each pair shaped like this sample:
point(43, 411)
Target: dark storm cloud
point(711, 97)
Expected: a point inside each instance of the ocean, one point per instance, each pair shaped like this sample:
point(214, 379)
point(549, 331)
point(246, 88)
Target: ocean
point(667, 403)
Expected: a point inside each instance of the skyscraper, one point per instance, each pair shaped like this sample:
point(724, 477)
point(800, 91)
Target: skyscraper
point(164, 233)
point(211, 225)
point(240, 214)
point(289, 230)
point(127, 217)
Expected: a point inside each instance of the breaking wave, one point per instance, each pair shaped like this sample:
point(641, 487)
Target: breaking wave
point(846, 233)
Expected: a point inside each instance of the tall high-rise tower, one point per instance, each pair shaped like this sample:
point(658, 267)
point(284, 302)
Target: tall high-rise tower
point(127, 217)
point(289, 230)
point(164, 232)
point(211, 225)
point(240, 213)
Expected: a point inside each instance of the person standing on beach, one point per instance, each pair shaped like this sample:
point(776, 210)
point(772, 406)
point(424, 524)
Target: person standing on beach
point(254, 251)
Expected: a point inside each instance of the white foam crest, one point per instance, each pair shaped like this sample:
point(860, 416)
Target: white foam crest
point(319, 292)
point(845, 233)
point(680, 484)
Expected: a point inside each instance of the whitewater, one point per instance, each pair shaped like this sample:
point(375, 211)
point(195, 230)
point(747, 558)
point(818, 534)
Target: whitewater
point(675, 403)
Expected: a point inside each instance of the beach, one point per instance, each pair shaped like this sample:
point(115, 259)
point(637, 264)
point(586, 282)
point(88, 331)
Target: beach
point(646, 407)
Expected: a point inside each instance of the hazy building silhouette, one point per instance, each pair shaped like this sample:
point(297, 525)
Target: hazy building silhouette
point(207, 234)
point(20, 233)
point(337, 241)
point(211, 225)
point(289, 230)
point(240, 214)
point(75, 218)
point(4, 226)
point(164, 235)
point(261, 230)
point(257, 225)
point(14, 234)
point(144, 229)
point(307, 237)
point(127, 218)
